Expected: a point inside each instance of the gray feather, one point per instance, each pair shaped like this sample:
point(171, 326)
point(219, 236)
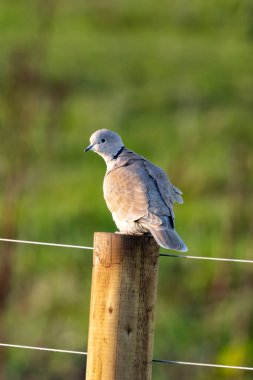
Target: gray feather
point(168, 238)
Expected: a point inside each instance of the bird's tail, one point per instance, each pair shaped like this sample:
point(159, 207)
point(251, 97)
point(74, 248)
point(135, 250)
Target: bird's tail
point(168, 238)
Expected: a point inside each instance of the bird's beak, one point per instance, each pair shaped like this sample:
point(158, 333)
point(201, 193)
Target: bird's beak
point(88, 148)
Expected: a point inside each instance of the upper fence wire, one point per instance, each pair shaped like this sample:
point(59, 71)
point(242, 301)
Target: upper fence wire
point(248, 261)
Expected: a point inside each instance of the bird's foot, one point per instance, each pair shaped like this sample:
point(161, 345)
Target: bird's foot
point(133, 233)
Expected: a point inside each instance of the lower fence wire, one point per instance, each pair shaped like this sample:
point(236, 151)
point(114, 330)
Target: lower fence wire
point(42, 349)
point(203, 364)
point(154, 360)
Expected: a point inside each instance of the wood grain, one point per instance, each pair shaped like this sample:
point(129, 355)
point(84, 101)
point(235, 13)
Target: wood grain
point(123, 295)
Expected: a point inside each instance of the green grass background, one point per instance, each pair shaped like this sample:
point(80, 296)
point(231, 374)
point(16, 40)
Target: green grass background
point(175, 79)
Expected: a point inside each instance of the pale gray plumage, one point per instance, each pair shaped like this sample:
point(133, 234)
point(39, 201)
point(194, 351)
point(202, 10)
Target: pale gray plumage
point(139, 194)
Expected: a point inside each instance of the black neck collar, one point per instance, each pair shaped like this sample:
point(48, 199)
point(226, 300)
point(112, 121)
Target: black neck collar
point(118, 153)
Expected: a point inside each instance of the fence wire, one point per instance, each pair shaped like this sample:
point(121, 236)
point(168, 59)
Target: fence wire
point(81, 247)
point(154, 360)
point(161, 361)
point(207, 258)
point(42, 349)
point(47, 244)
point(203, 364)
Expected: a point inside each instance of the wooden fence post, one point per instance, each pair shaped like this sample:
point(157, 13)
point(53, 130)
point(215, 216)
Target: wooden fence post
point(123, 295)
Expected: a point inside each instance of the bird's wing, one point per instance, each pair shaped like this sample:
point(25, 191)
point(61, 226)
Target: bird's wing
point(169, 192)
point(139, 190)
point(126, 193)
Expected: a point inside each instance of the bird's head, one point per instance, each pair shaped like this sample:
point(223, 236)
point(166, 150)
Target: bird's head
point(106, 143)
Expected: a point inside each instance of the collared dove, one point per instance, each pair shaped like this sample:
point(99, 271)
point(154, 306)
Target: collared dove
point(139, 194)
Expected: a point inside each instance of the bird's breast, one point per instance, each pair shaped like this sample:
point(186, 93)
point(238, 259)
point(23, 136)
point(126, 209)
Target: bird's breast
point(125, 194)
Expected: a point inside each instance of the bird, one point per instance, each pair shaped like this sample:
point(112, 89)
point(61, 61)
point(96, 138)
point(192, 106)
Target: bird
point(138, 193)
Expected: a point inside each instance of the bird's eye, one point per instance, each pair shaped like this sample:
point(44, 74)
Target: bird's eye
point(103, 140)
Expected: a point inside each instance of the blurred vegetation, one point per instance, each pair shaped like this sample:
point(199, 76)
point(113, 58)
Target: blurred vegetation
point(175, 79)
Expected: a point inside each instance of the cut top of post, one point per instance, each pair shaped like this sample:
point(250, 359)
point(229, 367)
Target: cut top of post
point(119, 245)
